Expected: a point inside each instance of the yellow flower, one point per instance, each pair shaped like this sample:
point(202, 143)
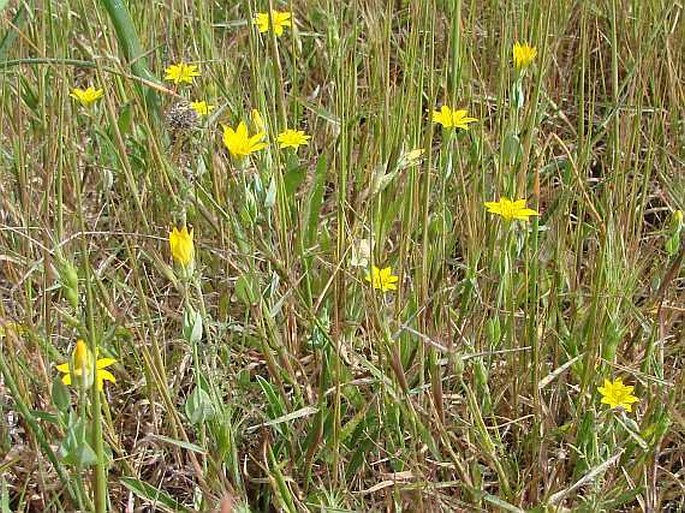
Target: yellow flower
point(382, 279)
point(617, 395)
point(257, 120)
point(452, 118)
point(182, 247)
point(292, 138)
point(281, 19)
point(239, 143)
point(181, 73)
point(80, 368)
point(510, 210)
point(202, 108)
point(86, 97)
point(524, 55)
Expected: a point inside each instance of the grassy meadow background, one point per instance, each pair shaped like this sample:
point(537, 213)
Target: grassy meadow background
point(270, 375)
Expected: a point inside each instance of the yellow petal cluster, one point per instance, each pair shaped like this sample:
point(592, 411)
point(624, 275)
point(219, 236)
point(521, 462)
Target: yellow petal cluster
point(382, 279)
point(86, 97)
point(292, 139)
point(181, 73)
point(240, 144)
point(452, 118)
point(510, 210)
point(524, 55)
point(281, 20)
point(202, 108)
point(617, 395)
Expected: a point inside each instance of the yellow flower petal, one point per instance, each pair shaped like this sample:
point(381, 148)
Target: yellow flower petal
point(105, 375)
point(104, 362)
point(202, 108)
point(242, 129)
point(63, 367)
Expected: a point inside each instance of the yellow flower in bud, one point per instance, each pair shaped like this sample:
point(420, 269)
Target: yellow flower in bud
point(83, 368)
point(524, 55)
point(258, 120)
point(86, 97)
point(182, 247)
point(410, 158)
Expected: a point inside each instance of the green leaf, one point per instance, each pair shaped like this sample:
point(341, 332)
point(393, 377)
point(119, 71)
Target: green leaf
point(60, 395)
point(46, 416)
point(74, 449)
point(15, 28)
point(246, 289)
point(276, 407)
point(623, 498)
point(512, 148)
point(29, 95)
point(192, 326)
point(293, 178)
point(199, 407)
point(502, 504)
point(518, 98)
point(270, 199)
point(161, 499)
point(4, 495)
point(125, 118)
point(179, 443)
point(673, 244)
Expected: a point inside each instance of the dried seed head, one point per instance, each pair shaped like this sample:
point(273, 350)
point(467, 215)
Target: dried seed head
point(181, 118)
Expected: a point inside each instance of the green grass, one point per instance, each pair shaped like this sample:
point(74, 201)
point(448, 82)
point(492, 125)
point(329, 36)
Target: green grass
point(273, 377)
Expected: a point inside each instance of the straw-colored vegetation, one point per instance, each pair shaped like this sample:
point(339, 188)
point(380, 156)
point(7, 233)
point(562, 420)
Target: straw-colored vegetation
point(342, 256)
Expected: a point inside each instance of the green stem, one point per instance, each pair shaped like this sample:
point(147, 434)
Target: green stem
point(100, 475)
point(130, 44)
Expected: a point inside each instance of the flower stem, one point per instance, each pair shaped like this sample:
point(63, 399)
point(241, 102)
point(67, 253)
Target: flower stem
point(100, 474)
